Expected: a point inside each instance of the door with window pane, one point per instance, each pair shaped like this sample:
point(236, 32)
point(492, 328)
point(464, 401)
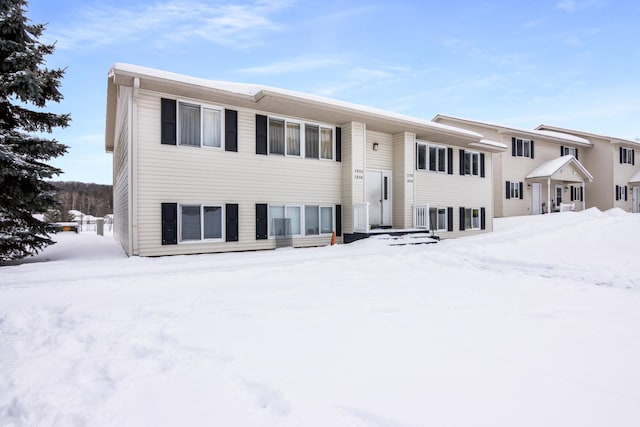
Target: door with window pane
point(378, 193)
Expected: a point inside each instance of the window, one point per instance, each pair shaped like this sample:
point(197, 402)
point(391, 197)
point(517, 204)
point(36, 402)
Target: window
point(471, 163)
point(438, 219)
point(285, 220)
point(621, 192)
point(627, 155)
point(199, 125)
point(514, 190)
point(522, 147)
point(326, 143)
point(576, 193)
point(472, 219)
point(311, 220)
point(570, 151)
point(293, 139)
point(432, 156)
point(200, 222)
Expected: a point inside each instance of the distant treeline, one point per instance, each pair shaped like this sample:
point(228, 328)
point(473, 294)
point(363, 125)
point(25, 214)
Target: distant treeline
point(88, 198)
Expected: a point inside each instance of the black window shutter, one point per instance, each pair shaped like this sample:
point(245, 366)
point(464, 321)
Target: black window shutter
point(582, 194)
point(169, 223)
point(231, 130)
point(620, 154)
point(617, 192)
point(532, 149)
point(625, 193)
point(338, 220)
point(561, 150)
point(449, 160)
point(461, 219)
point(449, 219)
point(508, 190)
point(261, 134)
point(461, 162)
point(521, 190)
point(261, 221)
point(633, 157)
point(482, 165)
point(483, 219)
point(513, 146)
point(168, 121)
point(576, 154)
point(571, 191)
point(231, 218)
point(338, 145)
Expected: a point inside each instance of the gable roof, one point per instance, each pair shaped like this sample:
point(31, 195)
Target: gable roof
point(284, 102)
point(612, 140)
point(553, 136)
point(547, 169)
point(635, 179)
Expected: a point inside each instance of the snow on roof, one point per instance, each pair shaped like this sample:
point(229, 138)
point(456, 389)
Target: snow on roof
point(573, 138)
point(493, 143)
point(636, 178)
point(548, 134)
point(614, 140)
point(550, 167)
point(256, 91)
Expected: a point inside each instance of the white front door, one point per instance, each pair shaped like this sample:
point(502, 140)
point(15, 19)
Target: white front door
point(636, 200)
point(378, 193)
point(536, 203)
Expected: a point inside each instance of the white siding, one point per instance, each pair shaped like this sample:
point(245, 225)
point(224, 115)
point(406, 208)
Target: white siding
point(121, 168)
point(179, 174)
point(353, 165)
point(403, 179)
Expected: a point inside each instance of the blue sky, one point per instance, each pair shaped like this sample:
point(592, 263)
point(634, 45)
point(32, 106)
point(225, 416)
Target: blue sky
point(570, 63)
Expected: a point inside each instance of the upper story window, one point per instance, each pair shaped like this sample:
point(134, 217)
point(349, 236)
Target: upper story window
point(627, 155)
point(298, 139)
point(431, 157)
point(569, 151)
point(522, 147)
point(193, 124)
point(471, 163)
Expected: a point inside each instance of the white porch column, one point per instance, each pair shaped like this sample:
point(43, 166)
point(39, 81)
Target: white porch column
point(548, 195)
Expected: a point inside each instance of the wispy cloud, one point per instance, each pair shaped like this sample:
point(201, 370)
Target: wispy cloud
point(574, 5)
point(171, 21)
point(294, 65)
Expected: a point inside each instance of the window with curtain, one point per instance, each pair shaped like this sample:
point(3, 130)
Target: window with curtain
point(326, 219)
point(311, 141)
point(211, 127)
point(326, 143)
point(189, 122)
point(293, 139)
point(311, 220)
point(276, 136)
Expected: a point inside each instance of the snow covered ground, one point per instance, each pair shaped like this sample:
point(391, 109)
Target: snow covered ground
point(536, 324)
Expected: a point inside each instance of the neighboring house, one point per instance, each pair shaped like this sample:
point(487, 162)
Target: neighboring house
point(542, 171)
point(205, 166)
point(612, 161)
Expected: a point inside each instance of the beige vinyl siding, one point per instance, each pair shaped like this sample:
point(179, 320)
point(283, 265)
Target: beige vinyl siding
point(383, 158)
point(201, 175)
point(442, 190)
point(498, 194)
point(121, 168)
point(622, 173)
point(599, 161)
point(353, 164)
point(403, 181)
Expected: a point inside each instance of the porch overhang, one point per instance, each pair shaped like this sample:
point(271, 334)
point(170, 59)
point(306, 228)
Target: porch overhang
point(635, 180)
point(565, 168)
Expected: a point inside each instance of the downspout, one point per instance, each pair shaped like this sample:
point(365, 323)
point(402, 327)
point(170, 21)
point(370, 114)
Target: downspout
point(133, 176)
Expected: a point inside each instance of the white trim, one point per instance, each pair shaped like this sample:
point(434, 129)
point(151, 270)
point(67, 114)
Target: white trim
point(472, 154)
point(479, 227)
point(428, 145)
point(303, 147)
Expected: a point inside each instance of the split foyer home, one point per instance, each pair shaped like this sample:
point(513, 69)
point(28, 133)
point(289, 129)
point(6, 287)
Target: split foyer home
point(206, 166)
point(550, 169)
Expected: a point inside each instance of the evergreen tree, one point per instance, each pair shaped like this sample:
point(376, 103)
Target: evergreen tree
point(26, 86)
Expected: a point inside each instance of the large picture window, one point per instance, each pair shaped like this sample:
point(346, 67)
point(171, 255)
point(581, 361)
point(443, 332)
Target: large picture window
point(199, 125)
point(200, 222)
